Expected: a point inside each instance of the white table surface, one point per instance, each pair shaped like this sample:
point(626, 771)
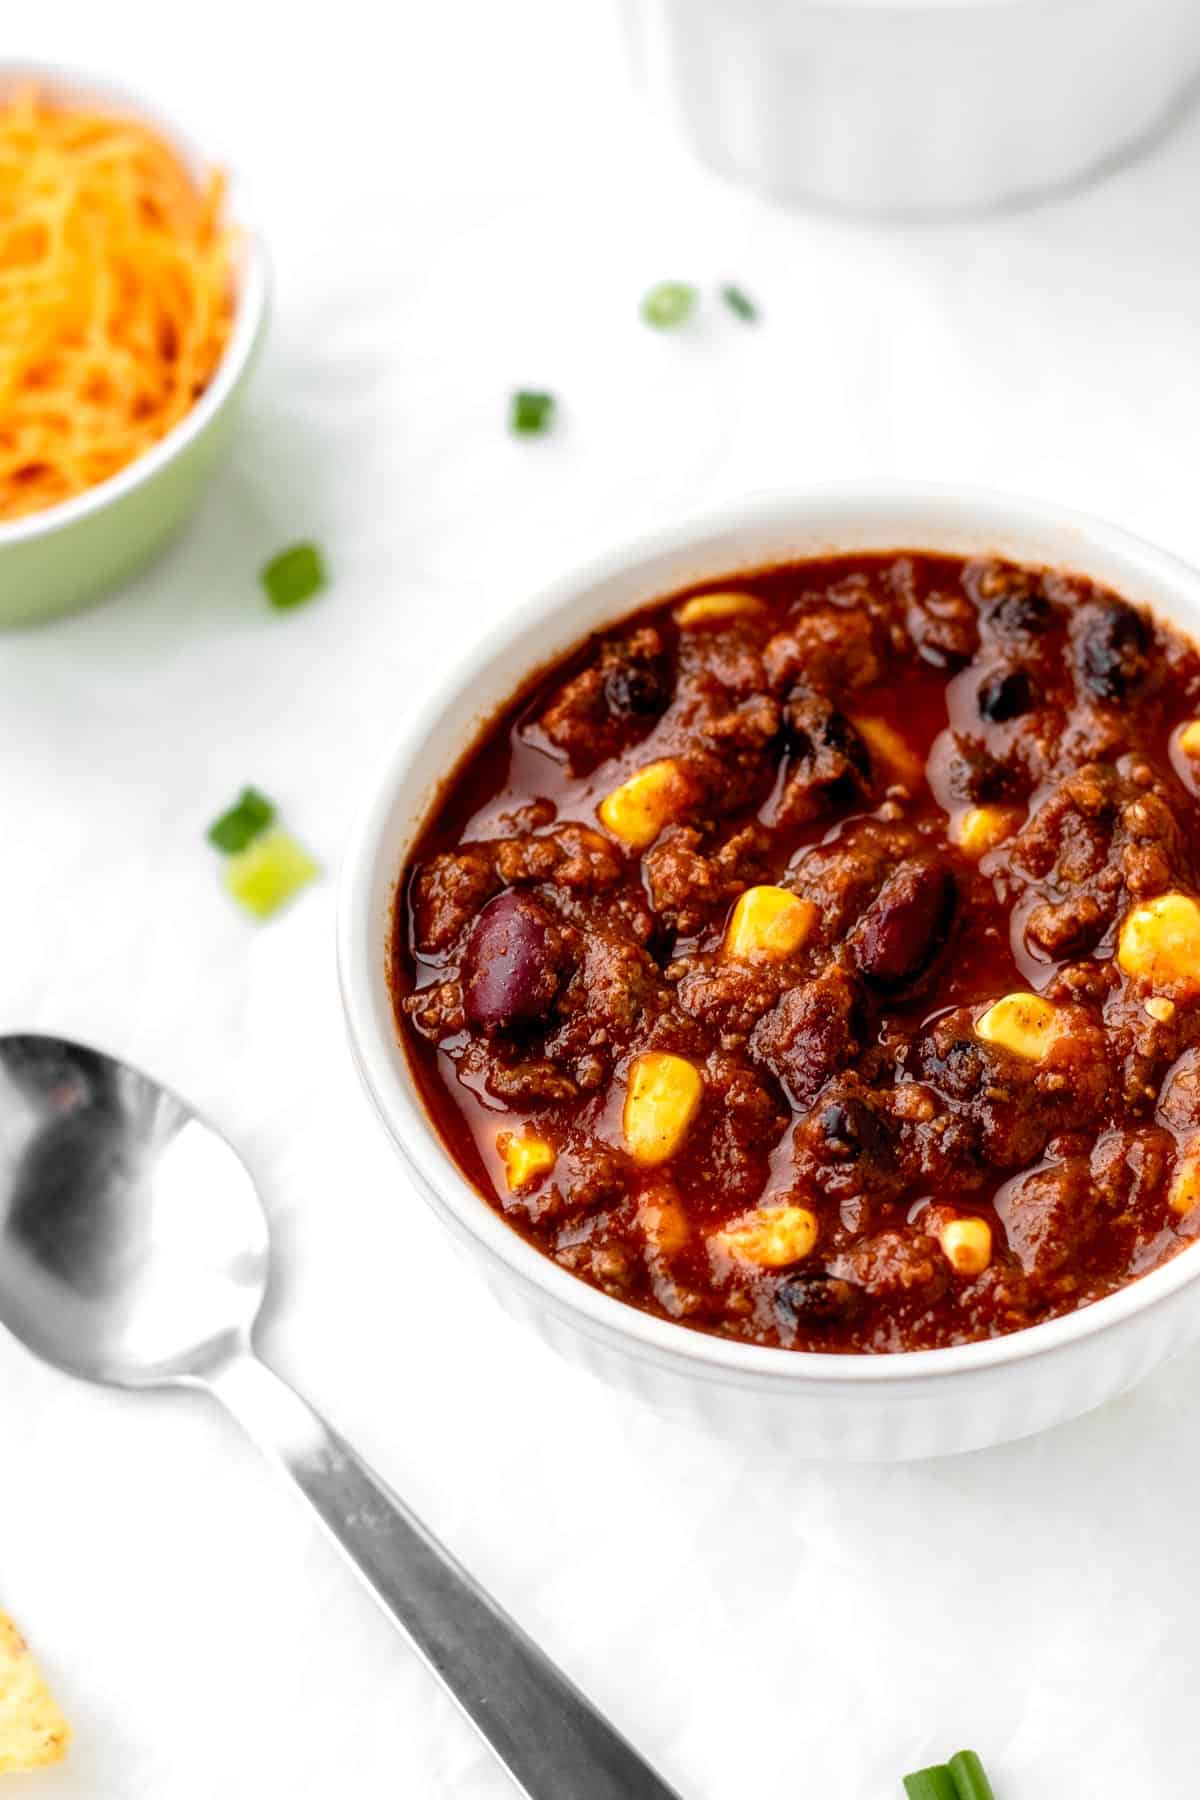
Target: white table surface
point(462, 199)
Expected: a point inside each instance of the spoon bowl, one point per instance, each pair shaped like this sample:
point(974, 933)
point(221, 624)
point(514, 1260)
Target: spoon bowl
point(133, 1246)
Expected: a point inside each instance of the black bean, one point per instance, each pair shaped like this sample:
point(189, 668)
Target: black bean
point(1113, 641)
point(975, 774)
point(1021, 615)
point(1005, 695)
point(513, 966)
point(850, 1129)
point(819, 735)
point(840, 735)
point(636, 690)
point(816, 1300)
point(905, 925)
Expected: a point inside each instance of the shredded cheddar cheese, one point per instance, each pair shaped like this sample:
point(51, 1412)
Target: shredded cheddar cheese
point(116, 295)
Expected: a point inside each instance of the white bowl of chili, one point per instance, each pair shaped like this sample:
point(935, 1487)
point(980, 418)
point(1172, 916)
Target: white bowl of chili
point(898, 1405)
point(111, 435)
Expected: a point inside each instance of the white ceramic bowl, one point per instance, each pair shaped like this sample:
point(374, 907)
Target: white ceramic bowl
point(913, 105)
point(71, 554)
point(921, 1403)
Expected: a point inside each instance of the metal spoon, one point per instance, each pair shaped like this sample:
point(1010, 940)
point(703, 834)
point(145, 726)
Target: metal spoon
point(134, 1252)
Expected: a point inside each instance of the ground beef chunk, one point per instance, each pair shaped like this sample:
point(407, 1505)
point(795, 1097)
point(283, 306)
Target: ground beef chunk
point(448, 892)
point(941, 622)
point(1179, 1102)
point(523, 1084)
point(813, 1032)
point(623, 688)
point(749, 725)
point(827, 649)
point(1012, 1107)
point(689, 884)
point(842, 876)
point(1129, 1167)
point(587, 1175)
point(615, 988)
point(437, 1011)
point(893, 1263)
point(571, 856)
point(829, 766)
point(751, 1105)
point(730, 997)
point(1102, 836)
point(1050, 1216)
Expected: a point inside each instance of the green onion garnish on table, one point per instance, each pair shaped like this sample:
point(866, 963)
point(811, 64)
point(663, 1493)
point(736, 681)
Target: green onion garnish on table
point(251, 813)
point(265, 875)
point(294, 576)
point(962, 1778)
point(264, 864)
point(530, 412)
point(668, 304)
point(739, 303)
point(969, 1778)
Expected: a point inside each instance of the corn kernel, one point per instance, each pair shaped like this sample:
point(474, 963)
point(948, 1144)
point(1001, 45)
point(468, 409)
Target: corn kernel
point(710, 609)
point(1160, 1009)
point(981, 828)
point(966, 1245)
point(767, 924)
point(663, 1221)
point(1023, 1023)
point(526, 1159)
point(889, 748)
point(636, 811)
point(661, 1100)
point(1184, 1192)
point(1189, 738)
point(1160, 942)
point(771, 1236)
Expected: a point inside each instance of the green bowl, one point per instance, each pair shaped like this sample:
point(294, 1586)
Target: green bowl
point(69, 555)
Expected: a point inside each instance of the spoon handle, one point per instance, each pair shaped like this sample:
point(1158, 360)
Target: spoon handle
point(552, 1741)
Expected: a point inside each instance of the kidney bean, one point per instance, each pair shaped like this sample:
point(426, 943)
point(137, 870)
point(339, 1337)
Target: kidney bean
point(905, 925)
point(513, 965)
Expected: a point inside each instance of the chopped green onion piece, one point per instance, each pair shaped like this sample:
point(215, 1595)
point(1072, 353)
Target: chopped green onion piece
point(970, 1782)
point(668, 304)
point(531, 412)
point(740, 303)
point(265, 875)
point(936, 1783)
point(236, 828)
point(294, 576)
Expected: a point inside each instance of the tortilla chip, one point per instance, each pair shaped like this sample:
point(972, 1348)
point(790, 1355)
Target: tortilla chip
point(32, 1730)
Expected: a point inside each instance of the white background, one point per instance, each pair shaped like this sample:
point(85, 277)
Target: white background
point(462, 198)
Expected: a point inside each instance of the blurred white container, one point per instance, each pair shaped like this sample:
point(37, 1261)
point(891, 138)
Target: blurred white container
point(913, 105)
